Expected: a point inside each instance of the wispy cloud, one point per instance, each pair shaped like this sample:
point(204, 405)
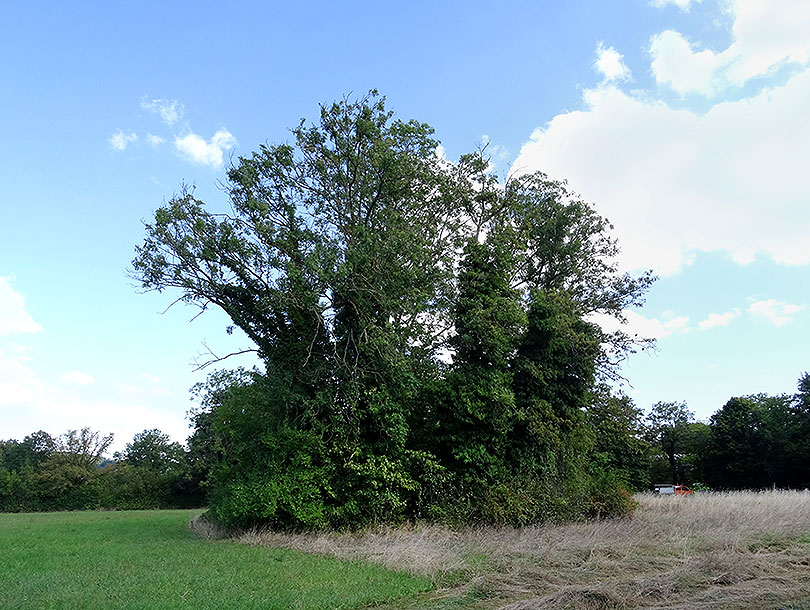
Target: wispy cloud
point(78, 377)
point(681, 4)
point(14, 319)
point(198, 150)
point(170, 111)
point(718, 319)
point(665, 325)
point(776, 312)
point(119, 140)
point(153, 140)
point(28, 402)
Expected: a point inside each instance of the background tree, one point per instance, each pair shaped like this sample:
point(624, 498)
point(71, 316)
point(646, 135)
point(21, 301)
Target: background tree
point(739, 444)
point(83, 448)
point(618, 431)
point(34, 449)
point(154, 450)
point(668, 430)
point(800, 437)
point(759, 441)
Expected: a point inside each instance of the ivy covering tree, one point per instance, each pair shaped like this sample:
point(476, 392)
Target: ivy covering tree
point(423, 329)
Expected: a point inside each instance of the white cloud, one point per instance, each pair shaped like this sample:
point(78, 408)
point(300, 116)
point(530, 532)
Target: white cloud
point(650, 328)
point(153, 140)
point(119, 140)
point(718, 319)
point(196, 149)
point(18, 383)
point(681, 4)
point(170, 111)
point(676, 63)
point(14, 319)
point(610, 64)
point(766, 36)
point(29, 403)
point(674, 182)
point(776, 312)
point(78, 377)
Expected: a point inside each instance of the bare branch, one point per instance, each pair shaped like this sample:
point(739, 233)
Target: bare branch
point(214, 358)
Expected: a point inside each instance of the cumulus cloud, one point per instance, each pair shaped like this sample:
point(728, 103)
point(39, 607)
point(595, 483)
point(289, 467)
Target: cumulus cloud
point(677, 63)
point(170, 111)
point(610, 64)
point(776, 312)
point(766, 36)
point(198, 150)
point(681, 4)
point(674, 182)
point(119, 140)
point(14, 319)
point(718, 319)
point(78, 377)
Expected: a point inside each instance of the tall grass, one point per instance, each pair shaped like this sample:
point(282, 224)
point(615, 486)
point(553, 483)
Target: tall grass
point(721, 551)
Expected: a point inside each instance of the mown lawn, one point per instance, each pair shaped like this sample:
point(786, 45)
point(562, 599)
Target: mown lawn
point(148, 560)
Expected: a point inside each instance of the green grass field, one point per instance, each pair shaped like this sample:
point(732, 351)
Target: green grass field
point(148, 560)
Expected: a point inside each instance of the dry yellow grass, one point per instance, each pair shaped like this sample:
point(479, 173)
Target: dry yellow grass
point(711, 551)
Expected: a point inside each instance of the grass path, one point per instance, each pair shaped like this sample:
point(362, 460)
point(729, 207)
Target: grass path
point(149, 561)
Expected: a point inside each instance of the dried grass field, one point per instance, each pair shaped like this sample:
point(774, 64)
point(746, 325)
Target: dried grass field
point(741, 550)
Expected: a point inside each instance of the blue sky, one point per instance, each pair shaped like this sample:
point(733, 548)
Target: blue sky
point(684, 122)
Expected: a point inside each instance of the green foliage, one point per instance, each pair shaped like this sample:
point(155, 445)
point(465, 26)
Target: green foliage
point(83, 448)
point(670, 433)
point(605, 502)
point(340, 261)
point(68, 473)
point(618, 433)
point(760, 441)
point(153, 450)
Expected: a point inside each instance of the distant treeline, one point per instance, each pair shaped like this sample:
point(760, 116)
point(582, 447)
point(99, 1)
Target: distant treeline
point(69, 472)
point(752, 442)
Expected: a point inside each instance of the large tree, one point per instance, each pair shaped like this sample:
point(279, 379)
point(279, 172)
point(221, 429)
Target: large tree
point(358, 262)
